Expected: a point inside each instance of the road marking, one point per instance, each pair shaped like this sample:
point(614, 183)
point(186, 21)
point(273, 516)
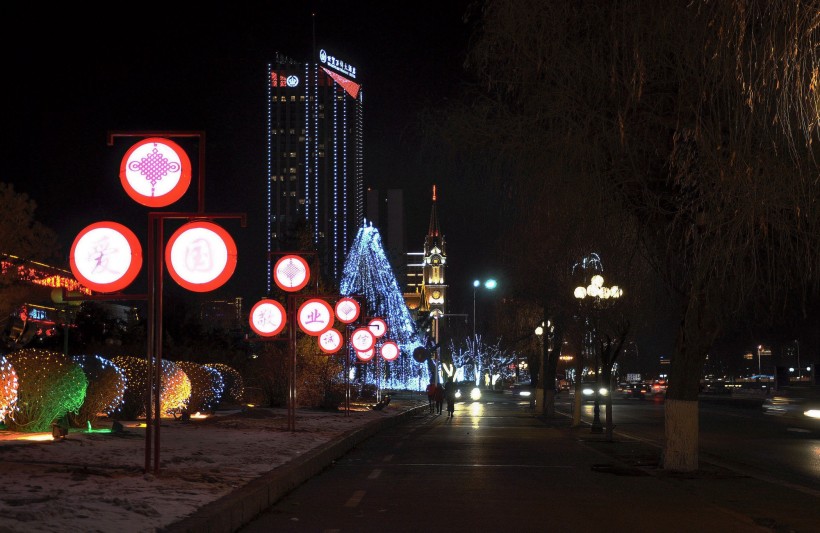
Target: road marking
point(375, 473)
point(355, 499)
point(388, 458)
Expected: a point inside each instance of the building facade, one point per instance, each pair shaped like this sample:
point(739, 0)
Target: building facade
point(315, 171)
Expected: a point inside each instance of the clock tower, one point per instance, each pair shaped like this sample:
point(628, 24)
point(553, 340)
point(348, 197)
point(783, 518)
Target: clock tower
point(433, 288)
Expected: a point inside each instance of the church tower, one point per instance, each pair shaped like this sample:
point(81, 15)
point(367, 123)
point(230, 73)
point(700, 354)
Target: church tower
point(434, 289)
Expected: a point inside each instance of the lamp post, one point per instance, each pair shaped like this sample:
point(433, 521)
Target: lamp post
point(544, 332)
point(596, 296)
point(797, 345)
point(489, 284)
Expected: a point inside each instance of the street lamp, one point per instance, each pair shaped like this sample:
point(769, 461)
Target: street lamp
point(489, 284)
point(598, 296)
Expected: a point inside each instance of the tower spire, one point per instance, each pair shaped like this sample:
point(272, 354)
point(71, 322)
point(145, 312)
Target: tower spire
point(433, 230)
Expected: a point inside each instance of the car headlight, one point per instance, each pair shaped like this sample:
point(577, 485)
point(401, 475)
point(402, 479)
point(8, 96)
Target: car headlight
point(524, 393)
point(812, 413)
point(475, 394)
point(588, 391)
point(603, 392)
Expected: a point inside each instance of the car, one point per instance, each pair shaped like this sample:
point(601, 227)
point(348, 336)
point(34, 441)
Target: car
point(637, 391)
point(521, 390)
point(659, 386)
point(591, 391)
point(797, 407)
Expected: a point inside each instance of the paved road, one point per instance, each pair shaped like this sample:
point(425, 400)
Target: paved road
point(496, 467)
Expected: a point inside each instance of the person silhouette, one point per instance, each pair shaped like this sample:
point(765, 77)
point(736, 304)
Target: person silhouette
point(450, 394)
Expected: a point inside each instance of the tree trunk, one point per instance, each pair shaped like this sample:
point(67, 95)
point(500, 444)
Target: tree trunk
point(606, 381)
point(697, 333)
point(681, 431)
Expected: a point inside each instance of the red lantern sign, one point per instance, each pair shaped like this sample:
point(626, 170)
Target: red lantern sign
point(291, 273)
point(106, 257)
point(378, 327)
point(155, 172)
point(330, 341)
point(201, 256)
point(362, 339)
point(267, 318)
point(347, 310)
point(390, 351)
point(365, 356)
point(315, 316)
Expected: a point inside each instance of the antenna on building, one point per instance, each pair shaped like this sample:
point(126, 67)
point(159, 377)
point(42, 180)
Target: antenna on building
point(313, 17)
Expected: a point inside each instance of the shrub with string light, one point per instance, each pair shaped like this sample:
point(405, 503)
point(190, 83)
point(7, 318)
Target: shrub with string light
point(50, 386)
point(175, 388)
point(207, 386)
point(234, 387)
point(106, 386)
point(8, 389)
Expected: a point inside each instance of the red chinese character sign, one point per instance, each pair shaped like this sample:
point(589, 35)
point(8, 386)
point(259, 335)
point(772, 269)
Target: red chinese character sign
point(330, 341)
point(362, 339)
point(267, 318)
point(106, 257)
point(155, 172)
point(390, 351)
point(347, 310)
point(315, 316)
point(366, 355)
point(201, 256)
point(291, 273)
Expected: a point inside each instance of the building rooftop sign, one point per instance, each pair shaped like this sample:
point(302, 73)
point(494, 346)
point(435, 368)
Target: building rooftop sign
point(337, 64)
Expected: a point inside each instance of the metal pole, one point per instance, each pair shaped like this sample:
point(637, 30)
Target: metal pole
point(798, 359)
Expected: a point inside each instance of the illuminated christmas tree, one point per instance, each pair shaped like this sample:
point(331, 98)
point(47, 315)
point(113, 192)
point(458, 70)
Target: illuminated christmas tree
point(369, 277)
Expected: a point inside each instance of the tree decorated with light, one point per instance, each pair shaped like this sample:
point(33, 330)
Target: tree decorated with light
point(368, 275)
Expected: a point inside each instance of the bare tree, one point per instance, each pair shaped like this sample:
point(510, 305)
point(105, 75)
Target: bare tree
point(688, 123)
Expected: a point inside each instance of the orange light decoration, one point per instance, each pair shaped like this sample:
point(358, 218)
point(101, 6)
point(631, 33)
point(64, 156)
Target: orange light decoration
point(40, 274)
point(50, 386)
point(207, 386)
point(175, 388)
point(8, 390)
point(234, 388)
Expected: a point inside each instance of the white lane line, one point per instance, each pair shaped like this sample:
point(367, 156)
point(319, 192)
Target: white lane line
point(375, 473)
point(355, 499)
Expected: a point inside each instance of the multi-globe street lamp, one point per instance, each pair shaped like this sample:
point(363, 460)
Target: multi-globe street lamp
point(488, 284)
point(595, 296)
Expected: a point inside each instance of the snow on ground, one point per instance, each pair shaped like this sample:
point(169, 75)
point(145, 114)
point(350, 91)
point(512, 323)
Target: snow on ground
point(96, 482)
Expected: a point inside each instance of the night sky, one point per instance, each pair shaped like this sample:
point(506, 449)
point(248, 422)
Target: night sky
point(76, 75)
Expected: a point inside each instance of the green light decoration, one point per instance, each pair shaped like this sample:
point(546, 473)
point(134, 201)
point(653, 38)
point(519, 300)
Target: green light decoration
point(207, 386)
point(50, 386)
point(234, 388)
point(8, 389)
point(175, 389)
point(106, 386)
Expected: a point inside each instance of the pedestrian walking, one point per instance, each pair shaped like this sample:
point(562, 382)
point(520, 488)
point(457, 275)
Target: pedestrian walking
point(431, 396)
point(439, 398)
point(450, 394)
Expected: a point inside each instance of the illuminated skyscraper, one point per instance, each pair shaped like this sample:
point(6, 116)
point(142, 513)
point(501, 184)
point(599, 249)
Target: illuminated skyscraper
point(315, 173)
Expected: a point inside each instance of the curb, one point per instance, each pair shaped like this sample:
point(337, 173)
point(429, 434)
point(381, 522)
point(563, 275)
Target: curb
point(238, 508)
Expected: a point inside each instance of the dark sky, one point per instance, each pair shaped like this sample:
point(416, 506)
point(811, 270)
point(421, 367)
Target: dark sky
point(75, 75)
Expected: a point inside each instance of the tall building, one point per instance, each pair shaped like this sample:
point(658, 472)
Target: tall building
point(315, 171)
point(385, 210)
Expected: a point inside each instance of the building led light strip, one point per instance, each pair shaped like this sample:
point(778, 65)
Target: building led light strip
point(270, 174)
point(308, 136)
point(316, 153)
point(343, 240)
point(335, 183)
